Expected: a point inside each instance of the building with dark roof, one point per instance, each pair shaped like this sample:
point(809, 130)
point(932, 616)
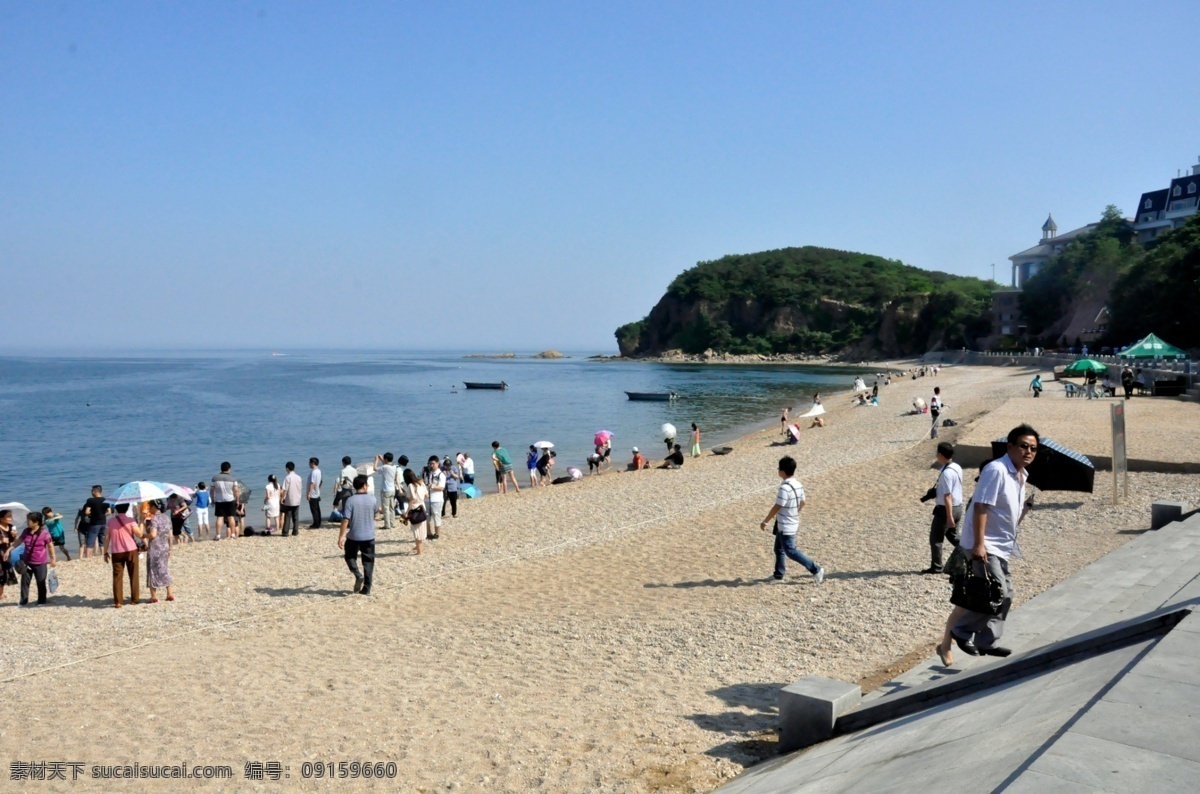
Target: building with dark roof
point(1162, 210)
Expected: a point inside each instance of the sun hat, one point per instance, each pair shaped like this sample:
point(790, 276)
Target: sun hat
point(635, 449)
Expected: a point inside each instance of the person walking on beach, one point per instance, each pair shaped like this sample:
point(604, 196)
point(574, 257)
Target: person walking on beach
point(1035, 385)
point(312, 490)
point(468, 468)
point(8, 539)
point(388, 476)
point(695, 441)
point(96, 510)
point(948, 506)
point(38, 556)
point(357, 537)
point(416, 493)
point(176, 511)
point(545, 464)
point(502, 461)
point(158, 553)
point(271, 506)
point(453, 478)
point(224, 496)
point(57, 534)
point(935, 409)
point(121, 549)
point(201, 501)
point(289, 497)
point(531, 461)
point(783, 422)
point(1127, 381)
point(989, 538)
point(435, 482)
point(344, 488)
point(789, 501)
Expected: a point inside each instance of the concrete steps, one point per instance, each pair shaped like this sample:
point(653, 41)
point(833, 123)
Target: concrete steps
point(1155, 569)
point(1192, 394)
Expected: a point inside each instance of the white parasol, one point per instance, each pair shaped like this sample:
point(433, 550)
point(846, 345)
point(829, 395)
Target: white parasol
point(668, 430)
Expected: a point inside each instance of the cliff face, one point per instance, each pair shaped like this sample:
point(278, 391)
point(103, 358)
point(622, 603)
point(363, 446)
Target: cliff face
point(899, 329)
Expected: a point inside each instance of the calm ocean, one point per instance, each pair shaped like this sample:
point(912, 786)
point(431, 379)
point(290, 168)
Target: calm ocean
point(68, 423)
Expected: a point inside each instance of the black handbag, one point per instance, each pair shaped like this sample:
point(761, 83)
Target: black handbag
point(417, 515)
point(977, 592)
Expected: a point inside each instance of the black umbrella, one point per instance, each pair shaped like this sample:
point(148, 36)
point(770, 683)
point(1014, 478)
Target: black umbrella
point(1055, 468)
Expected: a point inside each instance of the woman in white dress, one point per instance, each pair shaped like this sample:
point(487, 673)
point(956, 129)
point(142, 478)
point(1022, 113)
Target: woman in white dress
point(271, 503)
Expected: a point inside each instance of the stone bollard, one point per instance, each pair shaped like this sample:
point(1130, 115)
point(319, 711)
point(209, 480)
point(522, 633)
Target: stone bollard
point(809, 707)
point(1163, 513)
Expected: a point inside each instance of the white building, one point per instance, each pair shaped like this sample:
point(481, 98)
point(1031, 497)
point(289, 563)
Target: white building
point(1162, 210)
point(1026, 264)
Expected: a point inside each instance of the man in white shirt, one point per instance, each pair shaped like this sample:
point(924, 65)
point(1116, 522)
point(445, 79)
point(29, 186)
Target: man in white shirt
point(789, 501)
point(345, 484)
point(936, 406)
point(313, 489)
point(948, 506)
point(435, 481)
point(990, 537)
point(468, 468)
point(387, 488)
point(293, 493)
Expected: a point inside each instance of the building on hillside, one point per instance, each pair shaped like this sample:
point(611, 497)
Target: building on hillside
point(1027, 263)
point(1006, 301)
point(1162, 210)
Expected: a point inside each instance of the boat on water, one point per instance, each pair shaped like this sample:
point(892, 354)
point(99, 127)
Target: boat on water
point(652, 396)
point(501, 386)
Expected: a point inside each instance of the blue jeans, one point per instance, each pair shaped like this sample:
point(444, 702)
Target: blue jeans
point(785, 546)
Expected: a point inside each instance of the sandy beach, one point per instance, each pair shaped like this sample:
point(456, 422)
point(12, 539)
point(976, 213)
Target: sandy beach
point(619, 634)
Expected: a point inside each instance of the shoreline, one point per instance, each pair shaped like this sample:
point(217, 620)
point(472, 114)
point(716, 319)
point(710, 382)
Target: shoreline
point(554, 616)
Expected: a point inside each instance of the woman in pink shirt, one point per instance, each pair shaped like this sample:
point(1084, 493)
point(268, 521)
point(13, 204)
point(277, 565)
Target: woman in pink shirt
point(39, 554)
point(121, 548)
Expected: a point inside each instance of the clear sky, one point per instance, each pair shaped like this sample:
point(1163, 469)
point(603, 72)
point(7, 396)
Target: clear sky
point(530, 175)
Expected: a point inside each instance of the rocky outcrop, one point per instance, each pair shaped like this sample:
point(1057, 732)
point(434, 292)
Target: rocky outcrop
point(549, 354)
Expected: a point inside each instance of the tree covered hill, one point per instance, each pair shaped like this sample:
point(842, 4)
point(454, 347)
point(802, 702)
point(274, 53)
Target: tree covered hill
point(811, 300)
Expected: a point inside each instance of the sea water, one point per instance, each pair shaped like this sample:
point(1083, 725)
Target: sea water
point(67, 423)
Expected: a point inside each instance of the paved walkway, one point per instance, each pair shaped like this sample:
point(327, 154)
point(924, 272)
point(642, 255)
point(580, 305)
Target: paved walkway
point(1123, 720)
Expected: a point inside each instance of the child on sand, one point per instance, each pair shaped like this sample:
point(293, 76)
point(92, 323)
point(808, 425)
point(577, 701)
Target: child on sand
point(57, 535)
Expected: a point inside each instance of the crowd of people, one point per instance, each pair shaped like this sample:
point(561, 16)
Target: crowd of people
point(131, 535)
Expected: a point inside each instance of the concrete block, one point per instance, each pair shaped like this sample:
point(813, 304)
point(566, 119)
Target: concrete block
point(809, 707)
point(1163, 513)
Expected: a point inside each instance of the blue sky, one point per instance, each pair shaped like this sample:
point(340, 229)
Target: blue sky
point(522, 176)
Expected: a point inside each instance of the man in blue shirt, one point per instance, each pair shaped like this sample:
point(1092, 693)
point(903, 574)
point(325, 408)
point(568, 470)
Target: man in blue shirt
point(358, 534)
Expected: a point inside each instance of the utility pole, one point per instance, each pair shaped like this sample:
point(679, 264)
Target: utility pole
point(993, 272)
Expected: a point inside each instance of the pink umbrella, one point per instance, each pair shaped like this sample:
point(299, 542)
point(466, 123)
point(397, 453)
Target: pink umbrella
point(602, 437)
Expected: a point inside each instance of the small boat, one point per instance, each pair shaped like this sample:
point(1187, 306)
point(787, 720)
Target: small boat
point(652, 396)
point(501, 386)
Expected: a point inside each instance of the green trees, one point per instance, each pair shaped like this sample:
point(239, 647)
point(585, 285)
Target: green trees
point(809, 300)
point(1087, 267)
point(1160, 293)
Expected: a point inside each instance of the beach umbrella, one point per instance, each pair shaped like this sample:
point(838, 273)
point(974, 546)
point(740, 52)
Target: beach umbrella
point(602, 437)
point(137, 492)
point(543, 445)
point(668, 430)
point(19, 512)
point(1153, 347)
point(469, 491)
point(1055, 467)
point(171, 489)
point(1085, 365)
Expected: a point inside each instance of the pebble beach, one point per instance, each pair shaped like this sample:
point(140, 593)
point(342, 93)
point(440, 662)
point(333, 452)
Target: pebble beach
point(619, 634)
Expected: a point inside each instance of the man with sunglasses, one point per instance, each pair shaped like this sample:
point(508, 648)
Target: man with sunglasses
point(989, 537)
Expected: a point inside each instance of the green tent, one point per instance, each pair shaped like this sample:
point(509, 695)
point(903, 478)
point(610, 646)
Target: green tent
point(1153, 347)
